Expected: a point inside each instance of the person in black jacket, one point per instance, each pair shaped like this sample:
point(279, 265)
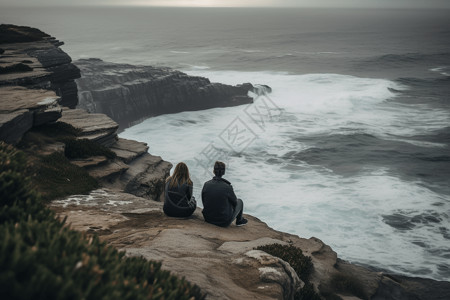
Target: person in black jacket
point(220, 204)
point(179, 201)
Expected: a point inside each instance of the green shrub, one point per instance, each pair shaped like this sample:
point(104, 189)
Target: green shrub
point(42, 258)
point(55, 177)
point(301, 264)
point(294, 256)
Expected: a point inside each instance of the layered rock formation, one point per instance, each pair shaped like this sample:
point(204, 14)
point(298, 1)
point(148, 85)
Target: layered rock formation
point(44, 91)
point(129, 94)
point(29, 57)
point(222, 261)
point(36, 78)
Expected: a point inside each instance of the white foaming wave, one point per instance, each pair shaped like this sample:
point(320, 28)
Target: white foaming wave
point(327, 102)
point(441, 70)
point(193, 68)
point(345, 212)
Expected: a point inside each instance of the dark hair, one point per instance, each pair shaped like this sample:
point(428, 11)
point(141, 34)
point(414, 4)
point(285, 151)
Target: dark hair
point(180, 175)
point(219, 169)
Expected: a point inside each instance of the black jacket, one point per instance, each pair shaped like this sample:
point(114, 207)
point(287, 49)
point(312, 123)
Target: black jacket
point(178, 201)
point(219, 201)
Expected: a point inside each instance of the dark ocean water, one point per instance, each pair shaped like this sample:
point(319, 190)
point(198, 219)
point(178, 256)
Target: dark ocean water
point(357, 151)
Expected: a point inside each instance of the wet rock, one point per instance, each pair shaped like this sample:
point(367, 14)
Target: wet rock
point(128, 93)
point(398, 221)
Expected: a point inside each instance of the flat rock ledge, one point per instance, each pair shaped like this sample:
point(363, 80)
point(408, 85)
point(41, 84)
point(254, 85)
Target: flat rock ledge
point(22, 108)
point(222, 261)
point(96, 127)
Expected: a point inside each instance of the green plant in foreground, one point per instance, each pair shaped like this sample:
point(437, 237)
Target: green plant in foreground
point(42, 258)
point(55, 176)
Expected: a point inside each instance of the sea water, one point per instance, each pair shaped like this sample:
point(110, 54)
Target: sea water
point(353, 144)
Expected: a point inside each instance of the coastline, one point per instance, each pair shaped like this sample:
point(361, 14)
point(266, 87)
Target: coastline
point(325, 260)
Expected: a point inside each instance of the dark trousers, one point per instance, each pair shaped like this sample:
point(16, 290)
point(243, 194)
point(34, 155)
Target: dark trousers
point(237, 214)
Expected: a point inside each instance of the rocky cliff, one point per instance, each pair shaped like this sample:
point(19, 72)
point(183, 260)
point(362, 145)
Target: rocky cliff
point(222, 261)
point(129, 94)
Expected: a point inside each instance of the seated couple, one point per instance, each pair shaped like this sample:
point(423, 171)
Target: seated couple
point(220, 205)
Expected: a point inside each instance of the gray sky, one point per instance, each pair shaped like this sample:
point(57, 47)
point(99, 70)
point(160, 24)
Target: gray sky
point(240, 3)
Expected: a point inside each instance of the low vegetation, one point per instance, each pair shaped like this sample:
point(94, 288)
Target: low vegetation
point(52, 174)
point(301, 264)
point(42, 258)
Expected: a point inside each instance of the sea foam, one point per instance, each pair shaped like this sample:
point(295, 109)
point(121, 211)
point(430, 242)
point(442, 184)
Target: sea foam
point(345, 211)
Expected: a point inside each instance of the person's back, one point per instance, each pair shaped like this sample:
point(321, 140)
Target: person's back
point(220, 204)
point(178, 200)
point(218, 197)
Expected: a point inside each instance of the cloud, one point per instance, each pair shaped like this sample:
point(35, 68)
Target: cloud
point(240, 3)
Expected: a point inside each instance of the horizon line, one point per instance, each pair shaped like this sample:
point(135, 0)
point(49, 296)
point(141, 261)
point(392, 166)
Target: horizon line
point(231, 6)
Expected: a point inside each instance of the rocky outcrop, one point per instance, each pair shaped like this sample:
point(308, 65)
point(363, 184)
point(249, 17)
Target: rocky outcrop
point(95, 127)
point(36, 79)
point(223, 261)
point(128, 93)
point(33, 59)
point(22, 108)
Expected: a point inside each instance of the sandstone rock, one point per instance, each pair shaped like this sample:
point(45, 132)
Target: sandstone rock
point(128, 150)
point(108, 171)
point(128, 93)
point(51, 68)
point(187, 247)
point(146, 177)
point(22, 108)
point(95, 127)
point(13, 125)
point(222, 261)
point(90, 162)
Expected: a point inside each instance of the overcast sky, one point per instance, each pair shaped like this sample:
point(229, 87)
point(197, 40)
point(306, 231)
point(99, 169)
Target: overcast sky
point(239, 3)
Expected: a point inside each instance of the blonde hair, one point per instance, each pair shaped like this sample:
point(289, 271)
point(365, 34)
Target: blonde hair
point(180, 176)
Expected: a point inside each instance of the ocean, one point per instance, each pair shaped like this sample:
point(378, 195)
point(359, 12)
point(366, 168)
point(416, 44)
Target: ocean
point(353, 144)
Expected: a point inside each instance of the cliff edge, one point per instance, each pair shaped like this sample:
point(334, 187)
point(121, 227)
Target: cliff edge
point(129, 93)
point(37, 89)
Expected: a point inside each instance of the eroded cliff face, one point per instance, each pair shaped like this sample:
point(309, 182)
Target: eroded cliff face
point(37, 87)
point(129, 94)
point(36, 80)
point(32, 58)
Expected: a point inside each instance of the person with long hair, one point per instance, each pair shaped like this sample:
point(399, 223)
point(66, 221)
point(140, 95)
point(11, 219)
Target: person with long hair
point(179, 201)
